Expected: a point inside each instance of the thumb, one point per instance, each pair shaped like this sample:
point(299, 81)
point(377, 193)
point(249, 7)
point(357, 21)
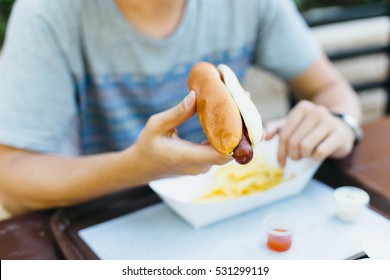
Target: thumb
point(272, 128)
point(178, 114)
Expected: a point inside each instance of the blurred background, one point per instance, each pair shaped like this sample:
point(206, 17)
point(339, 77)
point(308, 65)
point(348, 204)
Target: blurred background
point(303, 5)
point(354, 33)
point(5, 9)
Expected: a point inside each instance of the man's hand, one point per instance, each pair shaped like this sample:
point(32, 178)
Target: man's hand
point(46, 181)
point(310, 130)
point(164, 154)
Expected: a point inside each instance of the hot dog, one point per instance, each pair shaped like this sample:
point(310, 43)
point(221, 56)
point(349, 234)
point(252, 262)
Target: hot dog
point(243, 153)
point(227, 115)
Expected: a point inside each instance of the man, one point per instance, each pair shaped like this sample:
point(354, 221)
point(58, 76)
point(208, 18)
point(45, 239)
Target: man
point(90, 92)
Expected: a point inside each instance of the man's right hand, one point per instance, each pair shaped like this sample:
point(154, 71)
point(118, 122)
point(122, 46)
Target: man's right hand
point(162, 153)
point(30, 181)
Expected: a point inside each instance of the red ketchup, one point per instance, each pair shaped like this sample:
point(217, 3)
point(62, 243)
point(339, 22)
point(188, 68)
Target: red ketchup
point(279, 240)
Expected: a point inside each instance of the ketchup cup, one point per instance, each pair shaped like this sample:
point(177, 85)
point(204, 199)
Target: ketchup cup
point(280, 229)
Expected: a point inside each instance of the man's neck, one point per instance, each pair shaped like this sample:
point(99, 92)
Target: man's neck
point(154, 18)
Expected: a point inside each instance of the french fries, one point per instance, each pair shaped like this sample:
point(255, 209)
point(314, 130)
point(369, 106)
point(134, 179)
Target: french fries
point(233, 180)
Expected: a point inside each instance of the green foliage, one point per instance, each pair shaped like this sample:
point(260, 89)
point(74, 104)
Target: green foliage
point(309, 4)
point(5, 9)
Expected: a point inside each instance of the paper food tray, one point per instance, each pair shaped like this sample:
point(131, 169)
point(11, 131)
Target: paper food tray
point(181, 193)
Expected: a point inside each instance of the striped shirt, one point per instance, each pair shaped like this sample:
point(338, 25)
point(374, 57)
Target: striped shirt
point(77, 78)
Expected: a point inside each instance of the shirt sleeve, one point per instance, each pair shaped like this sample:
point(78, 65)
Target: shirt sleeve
point(285, 45)
point(37, 95)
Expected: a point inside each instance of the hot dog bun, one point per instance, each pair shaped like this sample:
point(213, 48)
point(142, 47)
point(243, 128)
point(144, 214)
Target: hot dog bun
point(225, 111)
point(248, 110)
point(217, 111)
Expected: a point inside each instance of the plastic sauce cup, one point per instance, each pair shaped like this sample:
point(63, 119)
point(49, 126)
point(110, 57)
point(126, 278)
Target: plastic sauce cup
point(280, 228)
point(350, 203)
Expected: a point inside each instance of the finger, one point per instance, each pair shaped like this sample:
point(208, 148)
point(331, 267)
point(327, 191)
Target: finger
point(313, 139)
point(193, 154)
point(173, 117)
point(197, 169)
point(292, 122)
point(272, 128)
point(269, 134)
point(282, 152)
point(173, 133)
point(295, 117)
point(304, 128)
point(327, 147)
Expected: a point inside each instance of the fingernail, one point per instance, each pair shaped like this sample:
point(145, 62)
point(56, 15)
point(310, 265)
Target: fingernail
point(189, 99)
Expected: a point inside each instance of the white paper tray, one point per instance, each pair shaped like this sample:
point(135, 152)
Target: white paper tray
point(181, 193)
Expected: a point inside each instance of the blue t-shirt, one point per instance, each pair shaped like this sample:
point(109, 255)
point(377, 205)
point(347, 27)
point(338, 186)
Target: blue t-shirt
point(77, 78)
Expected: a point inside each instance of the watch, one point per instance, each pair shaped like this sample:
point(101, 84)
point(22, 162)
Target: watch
point(353, 123)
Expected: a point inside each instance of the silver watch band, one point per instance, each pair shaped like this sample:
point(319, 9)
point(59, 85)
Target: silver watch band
point(353, 124)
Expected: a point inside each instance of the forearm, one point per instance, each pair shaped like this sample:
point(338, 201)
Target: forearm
point(323, 85)
point(339, 97)
point(37, 181)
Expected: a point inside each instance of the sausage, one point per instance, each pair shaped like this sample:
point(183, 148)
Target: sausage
point(243, 153)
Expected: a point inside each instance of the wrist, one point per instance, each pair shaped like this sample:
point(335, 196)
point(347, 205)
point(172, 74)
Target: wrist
point(131, 169)
point(353, 124)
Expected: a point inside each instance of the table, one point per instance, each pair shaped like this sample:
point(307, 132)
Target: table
point(29, 236)
point(156, 232)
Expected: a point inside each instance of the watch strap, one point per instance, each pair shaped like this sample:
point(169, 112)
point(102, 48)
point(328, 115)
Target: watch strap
point(352, 123)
